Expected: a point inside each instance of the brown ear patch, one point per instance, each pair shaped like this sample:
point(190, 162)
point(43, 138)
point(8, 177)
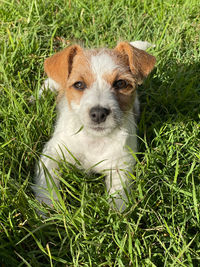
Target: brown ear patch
point(140, 62)
point(59, 66)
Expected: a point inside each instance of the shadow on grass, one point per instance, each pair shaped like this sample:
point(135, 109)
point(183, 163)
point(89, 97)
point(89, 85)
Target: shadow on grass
point(172, 95)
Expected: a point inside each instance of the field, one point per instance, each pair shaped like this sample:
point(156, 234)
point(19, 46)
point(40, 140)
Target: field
point(161, 226)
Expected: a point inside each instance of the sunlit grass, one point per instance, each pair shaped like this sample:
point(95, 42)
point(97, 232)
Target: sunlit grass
point(161, 225)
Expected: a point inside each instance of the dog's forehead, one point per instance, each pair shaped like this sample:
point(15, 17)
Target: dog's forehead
point(102, 63)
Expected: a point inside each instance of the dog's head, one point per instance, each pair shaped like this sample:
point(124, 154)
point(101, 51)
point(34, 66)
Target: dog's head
point(100, 85)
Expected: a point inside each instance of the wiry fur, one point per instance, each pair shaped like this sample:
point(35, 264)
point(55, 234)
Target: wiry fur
point(102, 146)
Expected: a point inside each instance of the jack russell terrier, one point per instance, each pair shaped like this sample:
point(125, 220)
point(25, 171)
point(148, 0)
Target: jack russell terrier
point(97, 109)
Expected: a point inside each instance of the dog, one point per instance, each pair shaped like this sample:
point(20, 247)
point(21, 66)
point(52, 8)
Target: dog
point(97, 107)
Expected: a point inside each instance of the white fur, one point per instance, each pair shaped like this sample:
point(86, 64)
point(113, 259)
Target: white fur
point(49, 84)
point(102, 63)
point(143, 45)
point(104, 150)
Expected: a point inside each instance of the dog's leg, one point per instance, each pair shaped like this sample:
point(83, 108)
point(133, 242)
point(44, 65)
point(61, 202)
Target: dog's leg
point(49, 84)
point(117, 187)
point(46, 180)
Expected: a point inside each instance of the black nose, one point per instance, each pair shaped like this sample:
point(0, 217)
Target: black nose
point(99, 114)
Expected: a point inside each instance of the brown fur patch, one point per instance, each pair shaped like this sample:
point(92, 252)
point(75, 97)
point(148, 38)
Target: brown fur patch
point(119, 74)
point(126, 100)
point(140, 62)
point(81, 71)
point(125, 96)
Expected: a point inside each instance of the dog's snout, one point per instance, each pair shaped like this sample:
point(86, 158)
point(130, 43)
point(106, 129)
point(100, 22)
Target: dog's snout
point(99, 114)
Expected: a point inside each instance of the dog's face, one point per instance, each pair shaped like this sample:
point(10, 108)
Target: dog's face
point(100, 85)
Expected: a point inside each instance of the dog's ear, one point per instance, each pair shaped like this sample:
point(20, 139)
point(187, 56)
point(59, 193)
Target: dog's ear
point(58, 67)
point(140, 62)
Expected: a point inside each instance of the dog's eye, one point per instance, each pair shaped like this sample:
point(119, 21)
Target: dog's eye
point(79, 85)
point(120, 84)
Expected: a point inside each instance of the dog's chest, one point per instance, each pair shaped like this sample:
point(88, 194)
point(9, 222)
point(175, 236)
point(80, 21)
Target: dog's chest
point(100, 153)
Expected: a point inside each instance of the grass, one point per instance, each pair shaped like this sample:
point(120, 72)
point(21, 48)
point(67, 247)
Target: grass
point(161, 227)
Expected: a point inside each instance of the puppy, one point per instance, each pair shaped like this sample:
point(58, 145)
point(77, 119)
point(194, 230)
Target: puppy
point(97, 109)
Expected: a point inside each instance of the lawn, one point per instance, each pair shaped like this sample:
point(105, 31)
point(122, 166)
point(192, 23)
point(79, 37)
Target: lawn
point(161, 226)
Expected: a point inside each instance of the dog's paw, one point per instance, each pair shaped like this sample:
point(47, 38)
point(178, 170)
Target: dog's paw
point(48, 84)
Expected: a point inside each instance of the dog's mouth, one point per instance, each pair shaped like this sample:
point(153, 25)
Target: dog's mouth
point(102, 128)
point(98, 128)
